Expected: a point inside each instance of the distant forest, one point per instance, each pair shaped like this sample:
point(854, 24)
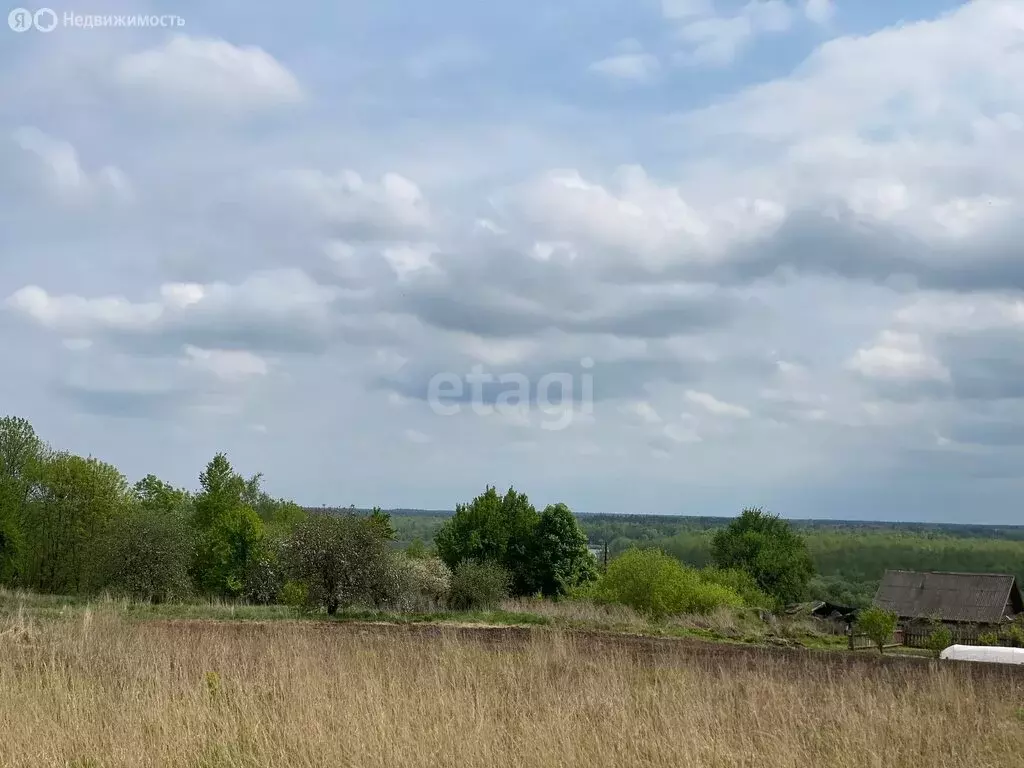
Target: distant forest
point(850, 555)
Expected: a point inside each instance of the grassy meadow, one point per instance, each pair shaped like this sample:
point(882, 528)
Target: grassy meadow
point(94, 687)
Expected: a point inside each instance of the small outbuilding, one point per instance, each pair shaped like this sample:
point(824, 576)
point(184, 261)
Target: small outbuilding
point(967, 603)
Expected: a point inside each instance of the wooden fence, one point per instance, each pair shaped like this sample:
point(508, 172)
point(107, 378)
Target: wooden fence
point(859, 640)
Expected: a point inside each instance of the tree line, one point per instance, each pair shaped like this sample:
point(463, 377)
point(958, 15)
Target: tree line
point(75, 525)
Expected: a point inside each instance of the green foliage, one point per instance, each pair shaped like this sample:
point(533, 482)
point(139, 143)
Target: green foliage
point(742, 583)
point(988, 638)
point(21, 454)
point(544, 552)
point(940, 638)
point(656, 584)
point(493, 528)
point(72, 503)
point(146, 555)
point(417, 549)
point(561, 558)
point(231, 536)
point(767, 548)
point(342, 559)
point(878, 625)
point(294, 594)
point(478, 586)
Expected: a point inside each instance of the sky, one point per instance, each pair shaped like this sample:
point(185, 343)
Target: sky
point(701, 254)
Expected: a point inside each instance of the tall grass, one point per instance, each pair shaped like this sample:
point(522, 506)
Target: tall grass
point(96, 690)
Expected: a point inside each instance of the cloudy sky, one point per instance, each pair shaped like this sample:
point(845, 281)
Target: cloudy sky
point(774, 246)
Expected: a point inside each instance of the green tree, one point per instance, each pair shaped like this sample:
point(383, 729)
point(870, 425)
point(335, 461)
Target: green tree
point(341, 559)
point(147, 552)
point(231, 536)
point(74, 502)
point(494, 528)
point(768, 549)
point(21, 456)
point(561, 558)
point(878, 625)
point(278, 515)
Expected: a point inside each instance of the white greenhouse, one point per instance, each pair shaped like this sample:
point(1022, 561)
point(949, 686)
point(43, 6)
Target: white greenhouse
point(984, 653)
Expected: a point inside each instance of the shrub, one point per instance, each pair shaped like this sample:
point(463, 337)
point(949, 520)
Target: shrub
point(655, 584)
point(478, 586)
point(988, 638)
point(742, 583)
point(939, 640)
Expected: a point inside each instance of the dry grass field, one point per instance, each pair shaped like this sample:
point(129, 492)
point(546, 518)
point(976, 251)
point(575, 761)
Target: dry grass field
point(98, 690)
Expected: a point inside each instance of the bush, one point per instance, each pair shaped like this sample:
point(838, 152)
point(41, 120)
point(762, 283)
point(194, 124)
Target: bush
point(939, 640)
point(478, 586)
point(655, 584)
point(988, 638)
point(742, 583)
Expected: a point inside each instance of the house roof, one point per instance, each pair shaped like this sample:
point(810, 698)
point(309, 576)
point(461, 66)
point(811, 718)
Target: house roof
point(966, 597)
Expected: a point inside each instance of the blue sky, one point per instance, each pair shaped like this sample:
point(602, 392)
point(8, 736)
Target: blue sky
point(784, 236)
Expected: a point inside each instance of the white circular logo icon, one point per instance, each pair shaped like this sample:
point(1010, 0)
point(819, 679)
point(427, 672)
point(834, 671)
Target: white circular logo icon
point(45, 20)
point(20, 20)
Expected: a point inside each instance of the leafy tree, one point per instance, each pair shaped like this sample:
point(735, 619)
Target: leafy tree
point(278, 515)
point(21, 455)
point(878, 625)
point(231, 536)
point(478, 586)
point(768, 549)
point(73, 503)
point(341, 559)
point(561, 558)
point(382, 520)
point(148, 551)
point(494, 528)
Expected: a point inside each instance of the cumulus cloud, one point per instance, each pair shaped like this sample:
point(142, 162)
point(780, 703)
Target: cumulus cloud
point(209, 74)
point(820, 268)
point(279, 310)
point(64, 174)
point(714, 39)
point(630, 67)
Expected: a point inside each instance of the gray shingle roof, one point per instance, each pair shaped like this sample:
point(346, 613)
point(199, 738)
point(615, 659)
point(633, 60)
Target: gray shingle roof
point(967, 597)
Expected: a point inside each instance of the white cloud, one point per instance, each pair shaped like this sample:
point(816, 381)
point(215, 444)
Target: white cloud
point(227, 365)
point(645, 411)
point(630, 67)
point(820, 11)
point(408, 258)
point(417, 437)
point(280, 307)
point(716, 40)
point(712, 404)
point(210, 74)
point(898, 356)
point(392, 204)
point(64, 172)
